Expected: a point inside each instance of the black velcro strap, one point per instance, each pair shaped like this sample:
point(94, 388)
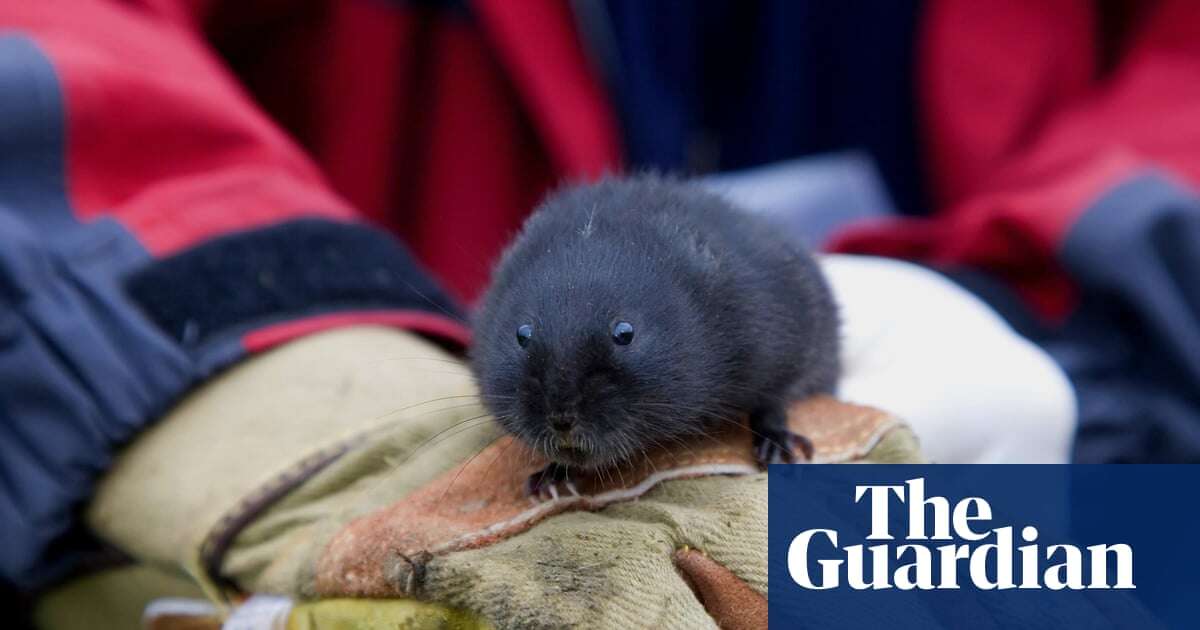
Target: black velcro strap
point(271, 274)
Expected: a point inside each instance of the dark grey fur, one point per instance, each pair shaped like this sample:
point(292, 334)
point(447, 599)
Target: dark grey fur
point(730, 318)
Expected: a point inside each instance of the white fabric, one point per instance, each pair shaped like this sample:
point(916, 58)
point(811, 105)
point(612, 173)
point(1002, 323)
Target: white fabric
point(923, 348)
point(177, 607)
point(260, 612)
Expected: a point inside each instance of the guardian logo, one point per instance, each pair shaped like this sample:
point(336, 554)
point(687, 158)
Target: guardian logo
point(945, 546)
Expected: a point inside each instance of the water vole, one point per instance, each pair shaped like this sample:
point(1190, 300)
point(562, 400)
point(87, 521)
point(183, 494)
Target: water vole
point(636, 312)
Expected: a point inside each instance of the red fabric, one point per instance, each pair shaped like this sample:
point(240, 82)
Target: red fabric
point(158, 134)
point(445, 125)
point(418, 321)
point(537, 45)
point(1027, 122)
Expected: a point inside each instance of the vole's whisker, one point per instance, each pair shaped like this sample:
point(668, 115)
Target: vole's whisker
point(455, 362)
point(426, 402)
point(746, 426)
point(464, 465)
point(474, 422)
point(676, 440)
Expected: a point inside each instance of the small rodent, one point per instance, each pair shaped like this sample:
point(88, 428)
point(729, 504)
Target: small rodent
point(635, 312)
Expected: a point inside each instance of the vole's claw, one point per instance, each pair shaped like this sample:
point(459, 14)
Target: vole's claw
point(804, 444)
point(780, 447)
point(544, 484)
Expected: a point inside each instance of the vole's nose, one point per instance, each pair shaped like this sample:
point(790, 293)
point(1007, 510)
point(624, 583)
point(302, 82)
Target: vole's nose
point(561, 423)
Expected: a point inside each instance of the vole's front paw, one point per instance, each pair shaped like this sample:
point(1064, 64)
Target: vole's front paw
point(779, 446)
point(550, 483)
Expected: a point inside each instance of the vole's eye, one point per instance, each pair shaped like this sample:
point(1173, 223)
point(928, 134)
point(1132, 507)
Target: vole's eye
point(622, 333)
point(524, 333)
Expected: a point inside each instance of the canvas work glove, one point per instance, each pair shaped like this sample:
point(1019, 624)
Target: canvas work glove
point(369, 471)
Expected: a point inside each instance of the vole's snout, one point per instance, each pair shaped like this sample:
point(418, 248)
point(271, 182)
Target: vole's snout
point(562, 423)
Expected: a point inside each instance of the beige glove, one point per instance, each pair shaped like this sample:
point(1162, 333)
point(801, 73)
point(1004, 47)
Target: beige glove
point(336, 466)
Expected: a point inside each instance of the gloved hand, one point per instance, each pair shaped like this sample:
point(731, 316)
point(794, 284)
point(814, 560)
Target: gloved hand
point(337, 466)
point(311, 488)
point(928, 351)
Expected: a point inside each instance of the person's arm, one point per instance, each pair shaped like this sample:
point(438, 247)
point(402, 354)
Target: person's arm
point(157, 229)
point(321, 471)
point(1067, 167)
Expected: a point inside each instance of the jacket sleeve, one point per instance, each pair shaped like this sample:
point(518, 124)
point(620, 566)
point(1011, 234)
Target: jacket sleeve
point(155, 227)
point(1067, 166)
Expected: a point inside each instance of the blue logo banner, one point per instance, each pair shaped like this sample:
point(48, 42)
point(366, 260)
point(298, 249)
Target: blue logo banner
point(985, 546)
